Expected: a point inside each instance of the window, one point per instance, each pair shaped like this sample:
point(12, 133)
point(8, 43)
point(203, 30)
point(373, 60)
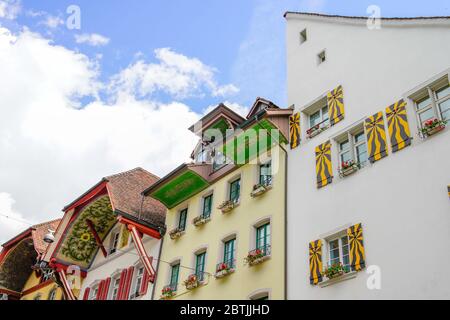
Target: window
point(263, 238)
point(235, 188)
point(265, 173)
point(433, 102)
point(219, 160)
point(182, 220)
point(115, 288)
point(303, 36)
point(94, 292)
point(138, 281)
point(321, 57)
point(207, 204)
point(114, 242)
point(320, 117)
point(200, 260)
point(229, 253)
point(174, 273)
point(352, 146)
point(338, 252)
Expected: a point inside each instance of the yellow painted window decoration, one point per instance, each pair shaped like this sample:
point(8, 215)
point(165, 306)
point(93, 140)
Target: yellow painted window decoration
point(335, 99)
point(294, 130)
point(398, 126)
point(376, 137)
point(324, 172)
point(356, 243)
point(315, 262)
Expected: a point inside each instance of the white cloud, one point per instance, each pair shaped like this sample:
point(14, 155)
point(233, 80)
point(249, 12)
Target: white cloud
point(92, 39)
point(175, 74)
point(52, 22)
point(52, 151)
point(9, 9)
point(11, 222)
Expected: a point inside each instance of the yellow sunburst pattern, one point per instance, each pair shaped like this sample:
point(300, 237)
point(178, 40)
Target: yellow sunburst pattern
point(398, 126)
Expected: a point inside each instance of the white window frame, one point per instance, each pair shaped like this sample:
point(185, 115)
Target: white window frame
point(338, 236)
point(429, 90)
point(321, 123)
point(136, 286)
point(349, 135)
point(114, 241)
point(93, 293)
point(113, 287)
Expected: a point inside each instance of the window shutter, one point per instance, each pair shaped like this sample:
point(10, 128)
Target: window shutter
point(398, 126)
point(125, 235)
point(376, 137)
point(448, 190)
point(145, 282)
point(335, 100)
point(294, 130)
point(315, 262)
point(86, 293)
point(128, 283)
point(106, 288)
point(324, 171)
point(100, 290)
point(356, 254)
point(123, 277)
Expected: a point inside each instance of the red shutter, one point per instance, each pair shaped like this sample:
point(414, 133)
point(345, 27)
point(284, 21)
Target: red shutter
point(144, 285)
point(123, 277)
point(100, 290)
point(86, 293)
point(128, 283)
point(106, 288)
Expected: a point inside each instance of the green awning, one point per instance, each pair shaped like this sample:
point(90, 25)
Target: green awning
point(179, 188)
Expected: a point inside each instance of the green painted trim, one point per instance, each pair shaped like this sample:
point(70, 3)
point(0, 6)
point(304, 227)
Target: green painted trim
point(179, 188)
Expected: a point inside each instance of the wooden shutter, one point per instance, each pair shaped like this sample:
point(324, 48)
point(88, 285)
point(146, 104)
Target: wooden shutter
point(123, 278)
point(100, 290)
point(145, 282)
point(376, 137)
point(106, 289)
point(324, 171)
point(294, 130)
point(335, 99)
point(315, 262)
point(128, 283)
point(356, 254)
point(86, 293)
point(398, 126)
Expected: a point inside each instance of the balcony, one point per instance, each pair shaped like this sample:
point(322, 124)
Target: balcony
point(258, 255)
point(225, 268)
point(169, 291)
point(201, 220)
point(228, 205)
point(176, 233)
point(260, 188)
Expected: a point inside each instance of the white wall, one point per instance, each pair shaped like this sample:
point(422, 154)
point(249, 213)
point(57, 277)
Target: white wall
point(103, 268)
point(401, 200)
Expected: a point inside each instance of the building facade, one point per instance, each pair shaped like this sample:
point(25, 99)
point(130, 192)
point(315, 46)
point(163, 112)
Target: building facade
point(226, 217)
point(368, 207)
point(20, 274)
point(108, 243)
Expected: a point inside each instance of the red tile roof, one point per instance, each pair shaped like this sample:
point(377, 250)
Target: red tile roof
point(39, 231)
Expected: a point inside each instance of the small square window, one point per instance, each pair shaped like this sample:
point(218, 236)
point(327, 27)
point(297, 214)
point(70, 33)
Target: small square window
point(303, 36)
point(321, 57)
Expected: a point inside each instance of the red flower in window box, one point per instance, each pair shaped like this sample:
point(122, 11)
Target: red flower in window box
point(432, 126)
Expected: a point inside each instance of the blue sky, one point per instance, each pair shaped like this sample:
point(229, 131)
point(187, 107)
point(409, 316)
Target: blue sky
point(243, 40)
point(78, 105)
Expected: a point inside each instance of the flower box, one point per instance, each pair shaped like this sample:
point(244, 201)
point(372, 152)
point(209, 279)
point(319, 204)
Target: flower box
point(314, 131)
point(259, 189)
point(176, 233)
point(168, 292)
point(432, 126)
point(348, 167)
point(334, 271)
point(223, 269)
point(200, 220)
point(257, 256)
point(192, 282)
point(227, 206)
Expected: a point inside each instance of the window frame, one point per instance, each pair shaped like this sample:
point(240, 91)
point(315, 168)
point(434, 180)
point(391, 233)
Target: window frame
point(113, 282)
point(173, 285)
point(210, 197)
point(114, 241)
point(338, 237)
point(322, 57)
point(200, 273)
point(231, 183)
point(182, 216)
point(231, 254)
point(350, 136)
point(303, 36)
point(267, 226)
point(137, 281)
point(264, 181)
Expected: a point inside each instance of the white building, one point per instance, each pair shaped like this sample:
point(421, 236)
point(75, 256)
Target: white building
point(400, 198)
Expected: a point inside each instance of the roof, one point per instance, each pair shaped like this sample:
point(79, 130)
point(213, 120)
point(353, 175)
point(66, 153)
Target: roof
point(125, 189)
point(39, 231)
point(259, 101)
point(314, 14)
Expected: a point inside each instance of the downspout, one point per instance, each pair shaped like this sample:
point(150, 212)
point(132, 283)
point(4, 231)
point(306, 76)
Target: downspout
point(285, 213)
point(157, 268)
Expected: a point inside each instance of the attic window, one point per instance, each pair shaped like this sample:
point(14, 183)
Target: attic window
point(303, 36)
point(321, 57)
